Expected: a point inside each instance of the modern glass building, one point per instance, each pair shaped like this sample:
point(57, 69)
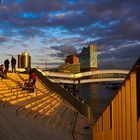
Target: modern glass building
point(88, 58)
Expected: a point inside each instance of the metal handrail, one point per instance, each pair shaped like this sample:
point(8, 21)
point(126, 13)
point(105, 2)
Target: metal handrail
point(75, 120)
point(82, 107)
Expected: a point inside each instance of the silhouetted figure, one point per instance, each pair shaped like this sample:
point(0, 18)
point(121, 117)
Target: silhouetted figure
point(2, 71)
point(13, 64)
point(34, 77)
point(30, 74)
point(6, 63)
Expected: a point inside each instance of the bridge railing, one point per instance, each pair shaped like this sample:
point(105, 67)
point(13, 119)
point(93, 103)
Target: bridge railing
point(121, 118)
point(97, 77)
point(81, 106)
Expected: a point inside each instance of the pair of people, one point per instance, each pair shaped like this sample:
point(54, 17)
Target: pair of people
point(13, 64)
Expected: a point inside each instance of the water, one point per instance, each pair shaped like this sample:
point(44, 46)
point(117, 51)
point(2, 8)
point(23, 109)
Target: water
point(97, 95)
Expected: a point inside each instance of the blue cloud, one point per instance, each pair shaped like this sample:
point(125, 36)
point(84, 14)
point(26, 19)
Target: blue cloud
point(112, 25)
point(19, 1)
point(30, 15)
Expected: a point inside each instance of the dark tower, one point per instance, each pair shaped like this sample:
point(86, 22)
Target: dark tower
point(24, 60)
point(19, 61)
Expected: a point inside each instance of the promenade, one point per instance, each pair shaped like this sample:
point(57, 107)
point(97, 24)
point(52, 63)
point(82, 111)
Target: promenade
point(39, 116)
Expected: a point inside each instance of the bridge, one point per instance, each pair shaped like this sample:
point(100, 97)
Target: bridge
point(87, 77)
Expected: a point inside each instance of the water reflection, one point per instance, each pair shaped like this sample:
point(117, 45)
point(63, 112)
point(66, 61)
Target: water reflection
point(97, 96)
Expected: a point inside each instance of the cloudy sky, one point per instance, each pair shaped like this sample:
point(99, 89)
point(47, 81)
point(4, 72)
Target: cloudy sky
point(51, 29)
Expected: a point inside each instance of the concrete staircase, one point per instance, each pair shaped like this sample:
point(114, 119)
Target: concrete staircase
point(43, 107)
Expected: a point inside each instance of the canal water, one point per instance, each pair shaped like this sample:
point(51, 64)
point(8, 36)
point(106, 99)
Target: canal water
point(97, 95)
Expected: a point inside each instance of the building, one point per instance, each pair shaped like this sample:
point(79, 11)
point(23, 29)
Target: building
point(72, 59)
point(71, 65)
point(69, 68)
point(19, 61)
point(88, 58)
point(24, 60)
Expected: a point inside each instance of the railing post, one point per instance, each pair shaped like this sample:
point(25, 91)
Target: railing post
point(133, 105)
point(100, 128)
point(120, 114)
point(106, 124)
point(117, 116)
point(138, 99)
point(113, 120)
point(123, 112)
point(128, 110)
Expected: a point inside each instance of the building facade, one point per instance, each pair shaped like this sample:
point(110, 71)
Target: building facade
point(24, 60)
point(71, 65)
point(72, 59)
point(69, 68)
point(88, 58)
point(19, 61)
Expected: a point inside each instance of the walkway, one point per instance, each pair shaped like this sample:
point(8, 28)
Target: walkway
point(41, 117)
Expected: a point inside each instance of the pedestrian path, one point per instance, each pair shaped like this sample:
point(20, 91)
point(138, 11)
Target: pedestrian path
point(37, 116)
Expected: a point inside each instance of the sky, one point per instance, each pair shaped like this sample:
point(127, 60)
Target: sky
point(51, 29)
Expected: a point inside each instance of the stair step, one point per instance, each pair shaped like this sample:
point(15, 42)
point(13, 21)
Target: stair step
point(57, 115)
point(24, 98)
point(47, 116)
point(12, 94)
point(62, 118)
point(47, 111)
point(69, 121)
point(35, 110)
point(14, 97)
point(66, 120)
point(34, 104)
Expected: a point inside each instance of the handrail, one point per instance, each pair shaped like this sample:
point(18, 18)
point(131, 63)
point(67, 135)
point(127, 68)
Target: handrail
point(82, 107)
point(20, 77)
point(75, 120)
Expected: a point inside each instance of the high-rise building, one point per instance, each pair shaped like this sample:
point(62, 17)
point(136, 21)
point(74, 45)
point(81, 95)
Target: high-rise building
point(88, 58)
point(24, 60)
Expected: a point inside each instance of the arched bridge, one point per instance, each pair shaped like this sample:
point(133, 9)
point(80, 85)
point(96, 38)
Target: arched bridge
point(87, 77)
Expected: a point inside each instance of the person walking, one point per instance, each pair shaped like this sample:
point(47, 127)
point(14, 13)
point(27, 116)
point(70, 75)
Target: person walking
point(6, 63)
point(13, 64)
